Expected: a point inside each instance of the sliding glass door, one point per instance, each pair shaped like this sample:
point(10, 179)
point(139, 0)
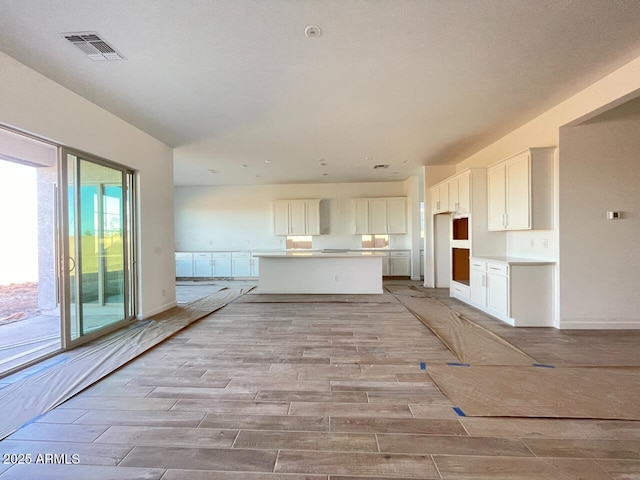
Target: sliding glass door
point(98, 247)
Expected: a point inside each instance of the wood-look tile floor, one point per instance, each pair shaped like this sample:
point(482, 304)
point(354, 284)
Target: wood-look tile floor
point(305, 391)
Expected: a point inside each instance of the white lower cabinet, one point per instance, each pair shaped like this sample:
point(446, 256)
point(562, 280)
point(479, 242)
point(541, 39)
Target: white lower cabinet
point(255, 265)
point(202, 265)
point(221, 264)
point(184, 265)
point(385, 265)
point(400, 263)
point(240, 264)
point(498, 289)
point(460, 291)
point(516, 291)
point(478, 283)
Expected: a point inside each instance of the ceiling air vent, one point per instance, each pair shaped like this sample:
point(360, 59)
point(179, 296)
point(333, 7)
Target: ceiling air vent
point(379, 166)
point(93, 46)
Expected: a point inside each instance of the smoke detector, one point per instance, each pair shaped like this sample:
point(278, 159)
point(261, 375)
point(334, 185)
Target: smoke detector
point(312, 31)
point(93, 46)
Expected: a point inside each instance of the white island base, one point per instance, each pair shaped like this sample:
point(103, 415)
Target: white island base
point(318, 272)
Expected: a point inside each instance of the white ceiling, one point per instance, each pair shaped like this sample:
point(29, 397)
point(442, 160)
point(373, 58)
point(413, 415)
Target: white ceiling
point(400, 82)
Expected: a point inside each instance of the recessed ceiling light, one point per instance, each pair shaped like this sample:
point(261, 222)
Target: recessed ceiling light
point(312, 31)
point(380, 166)
point(244, 165)
point(325, 174)
point(213, 170)
point(267, 161)
point(257, 176)
point(395, 173)
point(405, 161)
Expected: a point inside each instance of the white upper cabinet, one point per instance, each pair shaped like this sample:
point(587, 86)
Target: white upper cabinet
point(460, 193)
point(396, 215)
point(440, 198)
point(497, 202)
point(296, 217)
point(361, 215)
point(520, 191)
point(280, 218)
point(377, 216)
point(452, 195)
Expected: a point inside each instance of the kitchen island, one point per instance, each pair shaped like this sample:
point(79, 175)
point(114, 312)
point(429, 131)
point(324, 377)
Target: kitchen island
point(329, 272)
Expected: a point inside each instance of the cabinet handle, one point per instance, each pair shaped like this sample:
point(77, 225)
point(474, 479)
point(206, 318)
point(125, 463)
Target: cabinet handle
point(484, 281)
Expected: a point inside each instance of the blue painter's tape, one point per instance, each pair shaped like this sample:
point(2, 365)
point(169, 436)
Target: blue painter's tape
point(455, 364)
point(31, 421)
point(42, 368)
point(459, 411)
point(423, 366)
point(542, 365)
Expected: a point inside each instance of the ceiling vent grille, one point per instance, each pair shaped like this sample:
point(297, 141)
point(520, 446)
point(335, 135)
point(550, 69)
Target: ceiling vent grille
point(93, 46)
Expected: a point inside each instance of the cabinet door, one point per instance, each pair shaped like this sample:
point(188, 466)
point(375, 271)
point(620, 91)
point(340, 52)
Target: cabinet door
point(396, 215)
point(498, 293)
point(478, 287)
point(399, 266)
point(281, 218)
point(297, 218)
point(435, 200)
point(202, 266)
point(361, 215)
point(385, 266)
point(444, 198)
point(464, 193)
point(184, 264)
point(454, 192)
point(312, 214)
point(378, 216)
point(496, 197)
point(255, 266)
point(222, 265)
point(241, 267)
point(518, 193)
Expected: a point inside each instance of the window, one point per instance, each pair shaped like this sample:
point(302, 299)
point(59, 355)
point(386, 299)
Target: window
point(303, 242)
point(375, 241)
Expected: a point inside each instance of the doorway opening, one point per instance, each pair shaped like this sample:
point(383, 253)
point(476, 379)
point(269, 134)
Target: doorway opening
point(29, 301)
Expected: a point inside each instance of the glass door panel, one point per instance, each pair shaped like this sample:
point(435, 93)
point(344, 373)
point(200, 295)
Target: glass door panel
point(99, 265)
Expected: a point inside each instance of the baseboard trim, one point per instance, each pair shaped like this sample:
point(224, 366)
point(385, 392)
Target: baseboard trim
point(158, 310)
point(600, 324)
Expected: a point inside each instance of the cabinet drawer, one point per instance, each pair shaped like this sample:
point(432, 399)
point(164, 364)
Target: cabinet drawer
point(221, 255)
point(477, 264)
point(240, 255)
point(460, 291)
point(400, 254)
point(498, 268)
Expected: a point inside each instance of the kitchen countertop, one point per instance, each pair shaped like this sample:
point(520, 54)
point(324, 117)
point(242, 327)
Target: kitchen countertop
point(320, 254)
point(516, 260)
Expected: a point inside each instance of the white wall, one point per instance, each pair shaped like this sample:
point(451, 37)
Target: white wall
point(600, 171)
point(33, 103)
point(239, 217)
